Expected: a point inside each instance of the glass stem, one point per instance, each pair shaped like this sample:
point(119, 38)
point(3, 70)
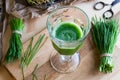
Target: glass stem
point(66, 58)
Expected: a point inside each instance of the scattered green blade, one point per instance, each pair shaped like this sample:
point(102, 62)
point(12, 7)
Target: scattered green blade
point(32, 50)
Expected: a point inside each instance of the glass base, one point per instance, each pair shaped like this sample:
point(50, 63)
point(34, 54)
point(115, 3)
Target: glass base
point(63, 63)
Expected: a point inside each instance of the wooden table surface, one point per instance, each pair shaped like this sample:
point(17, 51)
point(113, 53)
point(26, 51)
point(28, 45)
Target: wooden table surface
point(88, 69)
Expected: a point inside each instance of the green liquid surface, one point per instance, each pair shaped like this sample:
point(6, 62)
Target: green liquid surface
point(67, 31)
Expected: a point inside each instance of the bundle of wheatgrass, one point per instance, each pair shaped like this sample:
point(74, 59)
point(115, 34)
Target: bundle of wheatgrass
point(105, 34)
point(15, 46)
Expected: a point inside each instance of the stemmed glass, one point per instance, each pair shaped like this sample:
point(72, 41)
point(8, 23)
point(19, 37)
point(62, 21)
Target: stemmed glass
point(67, 26)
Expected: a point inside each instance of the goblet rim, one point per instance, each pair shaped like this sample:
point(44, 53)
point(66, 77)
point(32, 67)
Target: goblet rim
point(85, 15)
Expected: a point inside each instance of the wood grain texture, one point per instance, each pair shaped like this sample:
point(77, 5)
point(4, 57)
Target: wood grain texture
point(4, 75)
point(88, 69)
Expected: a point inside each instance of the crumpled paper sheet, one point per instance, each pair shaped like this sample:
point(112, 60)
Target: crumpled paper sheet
point(27, 12)
point(33, 25)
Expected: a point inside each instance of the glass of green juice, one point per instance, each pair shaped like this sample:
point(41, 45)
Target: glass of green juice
point(67, 26)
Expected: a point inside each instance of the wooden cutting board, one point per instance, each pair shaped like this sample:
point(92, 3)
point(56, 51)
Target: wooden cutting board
point(88, 66)
point(41, 57)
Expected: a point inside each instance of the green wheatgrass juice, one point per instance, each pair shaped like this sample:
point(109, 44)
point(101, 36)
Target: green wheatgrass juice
point(67, 31)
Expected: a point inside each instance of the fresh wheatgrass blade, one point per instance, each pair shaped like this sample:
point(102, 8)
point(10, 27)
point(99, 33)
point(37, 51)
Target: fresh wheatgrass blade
point(35, 49)
point(29, 54)
point(104, 33)
point(34, 73)
point(45, 77)
point(23, 59)
point(34, 76)
point(26, 53)
point(32, 50)
point(23, 75)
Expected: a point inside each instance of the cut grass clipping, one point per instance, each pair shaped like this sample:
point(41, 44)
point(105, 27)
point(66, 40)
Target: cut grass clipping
point(104, 33)
point(34, 74)
point(32, 50)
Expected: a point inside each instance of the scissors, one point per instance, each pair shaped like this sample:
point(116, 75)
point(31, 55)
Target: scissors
point(114, 8)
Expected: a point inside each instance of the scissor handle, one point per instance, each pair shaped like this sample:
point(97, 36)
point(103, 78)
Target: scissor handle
point(114, 10)
point(115, 2)
point(108, 14)
point(99, 5)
